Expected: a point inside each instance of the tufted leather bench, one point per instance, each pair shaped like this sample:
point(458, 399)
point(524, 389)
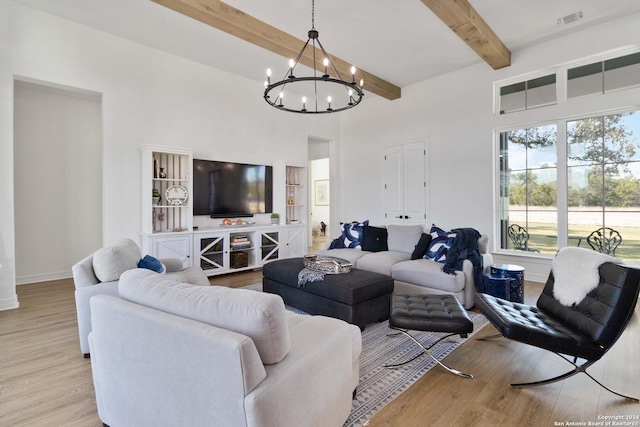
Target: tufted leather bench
point(433, 313)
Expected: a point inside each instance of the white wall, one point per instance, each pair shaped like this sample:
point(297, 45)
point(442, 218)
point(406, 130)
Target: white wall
point(454, 113)
point(149, 97)
point(58, 180)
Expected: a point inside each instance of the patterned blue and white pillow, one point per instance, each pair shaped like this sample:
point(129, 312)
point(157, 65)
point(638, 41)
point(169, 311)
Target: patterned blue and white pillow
point(441, 241)
point(351, 236)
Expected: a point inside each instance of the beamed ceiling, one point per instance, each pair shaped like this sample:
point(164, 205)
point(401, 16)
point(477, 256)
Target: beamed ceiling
point(392, 43)
point(458, 15)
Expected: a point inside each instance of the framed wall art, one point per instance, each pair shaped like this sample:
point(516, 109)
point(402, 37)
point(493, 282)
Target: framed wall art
point(321, 191)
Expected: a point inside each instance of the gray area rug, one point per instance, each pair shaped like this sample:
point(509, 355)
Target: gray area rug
point(378, 386)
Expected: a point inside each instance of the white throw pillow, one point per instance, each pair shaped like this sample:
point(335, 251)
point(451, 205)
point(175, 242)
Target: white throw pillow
point(403, 238)
point(110, 262)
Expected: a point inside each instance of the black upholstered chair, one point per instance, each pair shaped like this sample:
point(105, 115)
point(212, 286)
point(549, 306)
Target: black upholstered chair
point(519, 237)
point(605, 240)
point(582, 333)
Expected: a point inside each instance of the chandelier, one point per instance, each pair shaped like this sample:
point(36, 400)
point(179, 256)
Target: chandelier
point(321, 94)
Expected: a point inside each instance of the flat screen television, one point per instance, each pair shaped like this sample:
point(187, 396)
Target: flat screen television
point(226, 189)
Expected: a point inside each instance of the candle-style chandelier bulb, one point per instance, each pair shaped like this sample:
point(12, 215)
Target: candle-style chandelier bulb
point(291, 65)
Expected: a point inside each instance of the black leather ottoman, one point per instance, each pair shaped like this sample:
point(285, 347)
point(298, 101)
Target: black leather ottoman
point(358, 297)
point(433, 313)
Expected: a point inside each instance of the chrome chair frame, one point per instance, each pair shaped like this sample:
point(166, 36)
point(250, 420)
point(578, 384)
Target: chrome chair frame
point(425, 351)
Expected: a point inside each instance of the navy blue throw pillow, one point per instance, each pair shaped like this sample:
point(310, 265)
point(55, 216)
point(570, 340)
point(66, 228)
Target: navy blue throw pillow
point(422, 247)
point(441, 241)
point(374, 239)
point(151, 263)
point(351, 235)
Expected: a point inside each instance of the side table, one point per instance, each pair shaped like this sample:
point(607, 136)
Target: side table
point(515, 275)
point(496, 286)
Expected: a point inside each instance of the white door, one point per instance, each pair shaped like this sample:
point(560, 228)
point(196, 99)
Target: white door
point(394, 192)
point(405, 186)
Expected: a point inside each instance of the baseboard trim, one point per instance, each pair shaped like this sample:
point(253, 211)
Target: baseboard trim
point(46, 277)
point(9, 303)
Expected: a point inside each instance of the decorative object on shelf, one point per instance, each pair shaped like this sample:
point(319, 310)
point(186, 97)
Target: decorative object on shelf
point(237, 223)
point(296, 176)
point(162, 174)
point(342, 94)
point(177, 195)
point(327, 264)
point(158, 216)
point(156, 197)
point(275, 219)
point(240, 241)
point(322, 192)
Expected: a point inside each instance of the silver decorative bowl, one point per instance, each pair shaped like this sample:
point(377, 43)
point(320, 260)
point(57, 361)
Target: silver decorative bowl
point(327, 264)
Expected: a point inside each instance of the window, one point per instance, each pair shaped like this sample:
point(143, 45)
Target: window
point(600, 77)
point(528, 94)
point(603, 174)
point(604, 76)
point(528, 189)
point(602, 164)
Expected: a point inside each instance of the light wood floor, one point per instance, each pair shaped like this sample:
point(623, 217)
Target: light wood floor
point(45, 381)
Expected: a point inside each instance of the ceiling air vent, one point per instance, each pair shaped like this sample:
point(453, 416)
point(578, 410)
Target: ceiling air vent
point(571, 18)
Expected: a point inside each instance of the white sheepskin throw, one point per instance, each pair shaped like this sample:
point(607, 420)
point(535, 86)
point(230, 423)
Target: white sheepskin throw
point(575, 273)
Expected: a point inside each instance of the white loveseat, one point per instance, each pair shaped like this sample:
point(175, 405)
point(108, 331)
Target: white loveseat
point(419, 276)
point(98, 274)
point(168, 353)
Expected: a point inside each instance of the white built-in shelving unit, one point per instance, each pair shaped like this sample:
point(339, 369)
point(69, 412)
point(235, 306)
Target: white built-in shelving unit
point(167, 225)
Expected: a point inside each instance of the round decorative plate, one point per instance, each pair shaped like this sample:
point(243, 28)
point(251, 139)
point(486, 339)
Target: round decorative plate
point(177, 195)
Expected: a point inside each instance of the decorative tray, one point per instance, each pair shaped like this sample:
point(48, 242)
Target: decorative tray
point(233, 224)
point(327, 264)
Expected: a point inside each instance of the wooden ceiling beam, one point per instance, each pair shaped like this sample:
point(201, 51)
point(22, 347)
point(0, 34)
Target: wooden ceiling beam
point(463, 19)
point(237, 23)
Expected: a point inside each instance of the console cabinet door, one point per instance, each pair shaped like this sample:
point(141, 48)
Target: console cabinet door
point(212, 253)
point(270, 245)
point(295, 242)
point(172, 247)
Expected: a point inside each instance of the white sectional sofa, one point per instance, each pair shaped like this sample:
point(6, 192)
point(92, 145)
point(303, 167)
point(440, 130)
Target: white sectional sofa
point(167, 353)
point(418, 276)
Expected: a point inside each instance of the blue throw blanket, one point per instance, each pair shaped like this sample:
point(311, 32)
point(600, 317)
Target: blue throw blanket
point(465, 246)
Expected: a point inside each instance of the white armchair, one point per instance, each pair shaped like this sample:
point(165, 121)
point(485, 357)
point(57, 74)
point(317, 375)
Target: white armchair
point(99, 273)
